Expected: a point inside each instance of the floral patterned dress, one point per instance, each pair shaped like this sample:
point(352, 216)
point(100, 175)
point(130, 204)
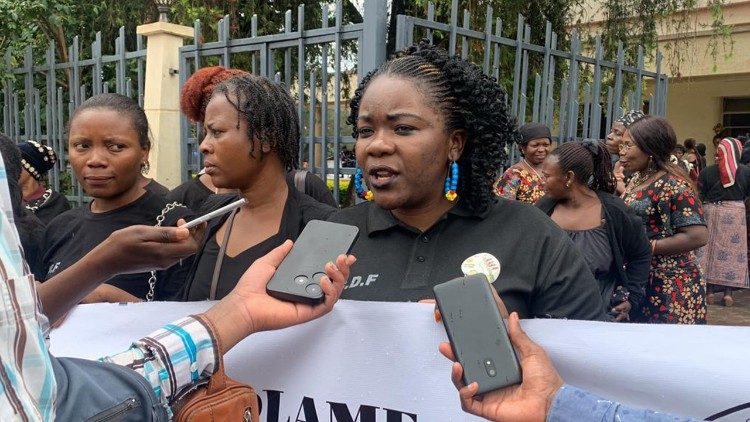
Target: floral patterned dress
point(520, 184)
point(676, 292)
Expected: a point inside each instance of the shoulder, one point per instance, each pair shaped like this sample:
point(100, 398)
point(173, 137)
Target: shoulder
point(616, 207)
point(180, 190)
point(676, 184)
point(58, 199)
point(157, 188)
point(69, 215)
point(516, 170)
point(518, 217)
point(312, 209)
point(546, 204)
point(64, 221)
point(612, 202)
point(354, 215)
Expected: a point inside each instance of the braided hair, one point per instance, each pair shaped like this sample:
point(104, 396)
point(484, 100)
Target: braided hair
point(270, 114)
point(590, 163)
point(468, 100)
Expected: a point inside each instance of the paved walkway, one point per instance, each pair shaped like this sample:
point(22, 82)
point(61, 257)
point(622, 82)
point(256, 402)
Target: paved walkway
point(738, 314)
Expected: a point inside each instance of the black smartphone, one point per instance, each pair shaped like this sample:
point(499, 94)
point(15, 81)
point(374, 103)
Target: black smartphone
point(477, 333)
point(298, 277)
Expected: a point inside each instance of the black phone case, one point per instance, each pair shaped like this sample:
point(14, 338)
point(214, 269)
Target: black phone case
point(298, 277)
point(477, 333)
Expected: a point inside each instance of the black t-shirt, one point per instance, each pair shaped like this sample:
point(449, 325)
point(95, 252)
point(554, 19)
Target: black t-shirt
point(711, 189)
point(315, 187)
point(298, 211)
point(49, 206)
point(192, 194)
point(542, 273)
point(74, 233)
point(155, 187)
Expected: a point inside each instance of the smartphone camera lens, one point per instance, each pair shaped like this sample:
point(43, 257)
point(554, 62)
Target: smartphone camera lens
point(300, 279)
point(489, 366)
point(313, 289)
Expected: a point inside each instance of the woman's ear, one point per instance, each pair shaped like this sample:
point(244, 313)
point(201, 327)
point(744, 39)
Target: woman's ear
point(456, 143)
point(570, 176)
point(145, 152)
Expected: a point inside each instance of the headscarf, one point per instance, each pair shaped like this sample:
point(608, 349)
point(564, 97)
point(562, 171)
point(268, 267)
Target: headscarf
point(531, 131)
point(729, 151)
point(36, 158)
point(630, 117)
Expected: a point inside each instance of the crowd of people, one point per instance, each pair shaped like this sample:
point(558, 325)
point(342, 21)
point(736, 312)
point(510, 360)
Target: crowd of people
point(628, 229)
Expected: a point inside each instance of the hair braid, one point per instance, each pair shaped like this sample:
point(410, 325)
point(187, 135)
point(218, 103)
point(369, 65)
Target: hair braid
point(590, 162)
point(469, 100)
point(270, 114)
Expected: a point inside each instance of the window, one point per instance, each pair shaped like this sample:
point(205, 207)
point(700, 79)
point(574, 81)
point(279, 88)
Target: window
point(736, 116)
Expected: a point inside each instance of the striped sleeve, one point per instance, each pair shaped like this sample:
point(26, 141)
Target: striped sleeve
point(173, 357)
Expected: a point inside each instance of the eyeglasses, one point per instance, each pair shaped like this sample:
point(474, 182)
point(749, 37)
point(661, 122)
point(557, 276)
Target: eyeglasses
point(626, 145)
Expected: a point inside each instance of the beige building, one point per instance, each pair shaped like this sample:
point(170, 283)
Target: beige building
point(704, 92)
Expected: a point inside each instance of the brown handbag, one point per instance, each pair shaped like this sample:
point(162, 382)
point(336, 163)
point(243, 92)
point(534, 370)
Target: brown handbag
point(222, 399)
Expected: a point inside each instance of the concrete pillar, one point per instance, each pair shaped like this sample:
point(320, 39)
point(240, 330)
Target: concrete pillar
point(161, 100)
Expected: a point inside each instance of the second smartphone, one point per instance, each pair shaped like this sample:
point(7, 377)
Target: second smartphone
point(477, 333)
point(298, 277)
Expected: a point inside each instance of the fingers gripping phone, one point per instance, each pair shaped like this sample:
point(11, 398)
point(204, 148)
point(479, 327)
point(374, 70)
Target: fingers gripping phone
point(477, 333)
point(213, 214)
point(298, 277)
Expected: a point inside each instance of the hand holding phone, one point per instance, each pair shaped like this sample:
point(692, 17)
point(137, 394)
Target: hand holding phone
point(477, 333)
point(216, 213)
point(298, 277)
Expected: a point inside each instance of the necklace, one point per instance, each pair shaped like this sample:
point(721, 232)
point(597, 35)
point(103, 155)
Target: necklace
point(34, 206)
point(539, 176)
point(638, 179)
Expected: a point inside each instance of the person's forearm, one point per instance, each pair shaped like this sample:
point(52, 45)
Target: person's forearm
point(172, 358)
point(677, 244)
point(227, 329)
point(62, 292)
point(574, 404)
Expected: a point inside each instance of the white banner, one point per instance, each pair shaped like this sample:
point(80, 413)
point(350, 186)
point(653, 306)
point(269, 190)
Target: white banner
point(373, 362)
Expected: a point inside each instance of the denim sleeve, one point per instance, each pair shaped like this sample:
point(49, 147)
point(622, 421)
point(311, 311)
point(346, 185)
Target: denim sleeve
point(572, 404)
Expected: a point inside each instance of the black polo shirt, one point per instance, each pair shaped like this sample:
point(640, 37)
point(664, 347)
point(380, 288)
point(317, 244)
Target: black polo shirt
point(542, 273)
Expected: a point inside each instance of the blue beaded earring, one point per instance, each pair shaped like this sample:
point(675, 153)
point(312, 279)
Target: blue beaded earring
point(359, 186)
point(451, 182)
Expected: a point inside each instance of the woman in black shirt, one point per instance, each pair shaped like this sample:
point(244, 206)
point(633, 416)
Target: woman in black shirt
point(251, 142)
point(723, 188)
point(432, 132)
point(108, 146)
point(579, 187)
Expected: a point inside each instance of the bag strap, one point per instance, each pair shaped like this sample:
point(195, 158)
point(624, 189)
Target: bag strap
point(220, 258)
point(299, 180)
point(219, 379)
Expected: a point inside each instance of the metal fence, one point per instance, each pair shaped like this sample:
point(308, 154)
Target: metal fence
point(39, 99)
point(585, 102)
point(313, 63)
point(576, 94)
